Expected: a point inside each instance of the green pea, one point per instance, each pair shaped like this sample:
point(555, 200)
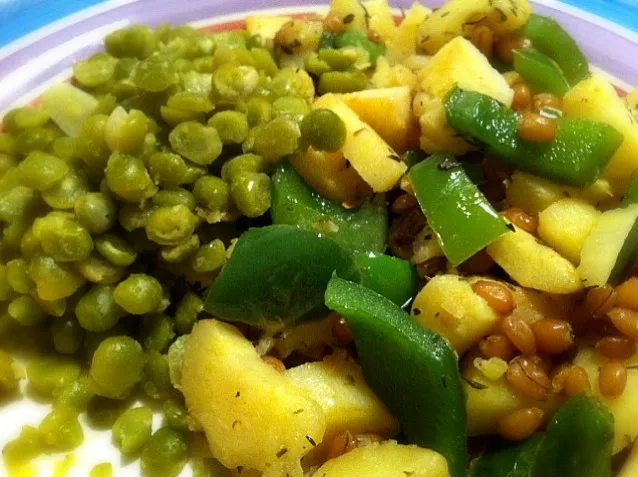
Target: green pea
point(324, 130)
point(22, 450)
point(108, 102)
point(102, 412)
point(171, 225)
point(276, 139)
point(41, 171)
point(291, 107)
point(190, 101)
point(339, 59)
point(64, 194)
point(67, 335)
point(91, 144)
point(174, 116)
point(17, 276)
point(133, 217)
point(258, 111)
point(136, 41)
point(175, 358)
point(105, 469)
point(175, 415)
point(157, 382)
point(49, 374)
point(197, 82)
point(232, 82)
point(8, 144)
point(6, 289)
point(179, 253)
point(116, 367)
point(97, 269)
point(157, 332)
point(97, 310)
point(233, 56)
point(167, 169)
point(209, 257)
point(186, 313)
point(61, 430)
point(316, 66)
point(66, 149)
point(95, 71)
point(140, 242)
point(53, 280)
point(231, 39)
point(164, 454)
point(35, 139)
point(251, 193)
point(138, 294)
point(128, 178)
point(132, 429)
point(342, 82)
point(25, 118)
point(125, 131)
point(241, 164)
point(196, 142)
point(7, 162)
point(96, 212)
point(264, 60)
point(232, 126)
point(115, 249)
point(8, 379)
point(26, 311)
point(55, 308)
point(29, 244)
point(212, 192)
point(75, 395)
point(171, 197)
point(19, 203)
point(205, 65)
point(63, 238)
point(292, 82)
point(124, 68)
point(155, 74)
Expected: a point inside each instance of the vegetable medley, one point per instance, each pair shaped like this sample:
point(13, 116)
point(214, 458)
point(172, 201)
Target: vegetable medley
point(331, 246)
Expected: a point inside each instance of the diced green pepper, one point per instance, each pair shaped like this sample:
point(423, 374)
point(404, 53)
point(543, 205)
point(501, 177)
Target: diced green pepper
point(458, 213)
point(631, 196)
point(507, 461)
point(392, 277)
point(276, 275)
point(294, 203)
point(412, 369)
point(540, 72)
point(577, 155)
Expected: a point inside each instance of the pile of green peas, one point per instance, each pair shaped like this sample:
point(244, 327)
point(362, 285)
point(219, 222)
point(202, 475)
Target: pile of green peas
point(119, 199)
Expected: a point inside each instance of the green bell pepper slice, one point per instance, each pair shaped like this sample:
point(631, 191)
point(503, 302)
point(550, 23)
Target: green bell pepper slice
point(411, 368)
point(550, 38)
point(577, 155)
point(355, 38)
point(276, 275)
point(540, 72)
point(394, 278)
point(507, 460)
point(294, 203)
point(458, 213)
point(631, 196)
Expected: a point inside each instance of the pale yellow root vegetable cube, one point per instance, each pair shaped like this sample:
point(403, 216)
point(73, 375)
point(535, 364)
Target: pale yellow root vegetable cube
point(386, 459)
point(381, 19)
point(533, 264)
point(461, 17)
point(351, 9)
point(329, 175)
point(533, 305)
point(404, 44)
point(565, 225)
point(337, 384)
point(308, 337)
point(386, 76)
point(265, 26)
point(602, 246)
point(248, 410)
point(425, 247)
point(375, 161)
point(624, 407)
point(388, 111)
point(595, 98)
point(449, 306)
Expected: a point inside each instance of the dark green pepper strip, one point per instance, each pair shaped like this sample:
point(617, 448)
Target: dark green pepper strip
point(392, 277)
point(631, 196)
point(508, 461)
point(277, 275)
point(577, 155)
point(540, 72)
point(294, 203)
point(412, 369)
point(355, 38)
point(548, 37)
point(458, 213)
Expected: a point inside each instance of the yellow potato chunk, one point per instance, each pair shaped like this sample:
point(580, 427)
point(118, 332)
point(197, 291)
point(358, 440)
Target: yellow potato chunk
point(388, 111)
point(265, 26)
point(595, 98)
point(375, 161)
point(565, 225)
point(351, 9)
point(449, 306)
point(533, 264)
point(386, 76)
point(252, 415)
point(404, 43)
point(386, 459)
point(381, 19)
point(436, 135)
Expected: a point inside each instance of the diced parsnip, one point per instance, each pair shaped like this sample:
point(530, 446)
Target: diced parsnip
point(328, 174)
point(386, 76)
point(565, 225)
point(449, 306)
point(404, 44)
point(436, 135)
point(68, 107)
point(630, 467)
point(461, 17)
point(381, 19)
point(602, 247)
point(308, 338)
point(460, 63)
point(533, 264)
point(248, 410)
point(595, 98)
point(623, 407)
point(425, 247)
point(386, 459)
point(388, 111)
point(353, 10)
point(488, 400)
point(375, 161)
point(534, 194)
point(338, 386)
point(265, 26)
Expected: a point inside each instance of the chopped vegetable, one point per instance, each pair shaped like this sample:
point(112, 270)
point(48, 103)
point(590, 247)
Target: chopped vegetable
point(541, 73)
